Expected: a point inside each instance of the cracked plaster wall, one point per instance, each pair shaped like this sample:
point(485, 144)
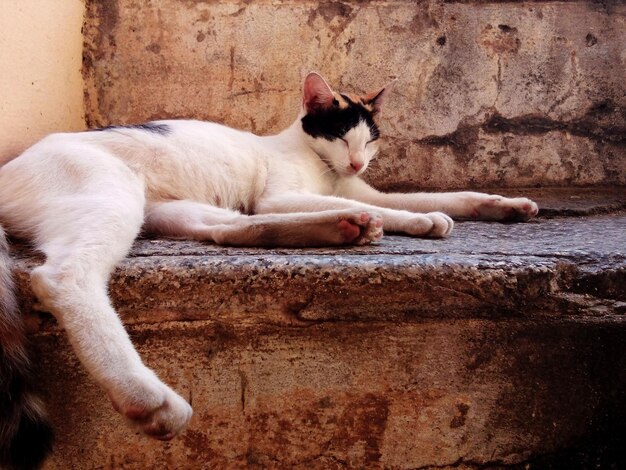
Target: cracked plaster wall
point(488, 93)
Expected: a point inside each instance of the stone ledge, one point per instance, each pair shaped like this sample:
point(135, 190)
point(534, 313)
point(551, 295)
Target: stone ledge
point(491, 270)
point(501, 346)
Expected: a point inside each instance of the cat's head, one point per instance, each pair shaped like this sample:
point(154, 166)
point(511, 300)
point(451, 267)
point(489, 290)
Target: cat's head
point(341, 128)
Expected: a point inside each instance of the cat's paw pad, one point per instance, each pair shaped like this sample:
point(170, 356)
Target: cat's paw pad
point(153, 407)
point(360, 228)
point(431, 225)
point(517, 209)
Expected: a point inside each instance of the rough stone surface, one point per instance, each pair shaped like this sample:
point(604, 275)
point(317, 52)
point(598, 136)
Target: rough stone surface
point(559, 202)
point(488, 93)
point(504, 345)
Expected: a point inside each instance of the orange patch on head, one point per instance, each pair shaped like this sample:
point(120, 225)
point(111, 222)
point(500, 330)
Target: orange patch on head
point(368, 106)
point(356, 99)
point(342, 103)
point(369, 101)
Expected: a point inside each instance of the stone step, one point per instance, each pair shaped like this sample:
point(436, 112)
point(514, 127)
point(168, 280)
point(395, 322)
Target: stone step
point(502, 346)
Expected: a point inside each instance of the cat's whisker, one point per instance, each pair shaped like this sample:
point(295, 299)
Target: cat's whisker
point(325, 172)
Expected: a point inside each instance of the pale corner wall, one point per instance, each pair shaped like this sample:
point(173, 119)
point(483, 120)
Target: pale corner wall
point(41, 85)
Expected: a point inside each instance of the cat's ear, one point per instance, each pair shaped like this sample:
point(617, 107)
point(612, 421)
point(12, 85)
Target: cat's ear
point(316, 94)
point(376, 98)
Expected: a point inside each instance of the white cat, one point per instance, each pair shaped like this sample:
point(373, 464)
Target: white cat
point(82, 198)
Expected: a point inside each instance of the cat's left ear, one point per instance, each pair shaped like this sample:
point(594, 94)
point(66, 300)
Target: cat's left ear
point(376, 98)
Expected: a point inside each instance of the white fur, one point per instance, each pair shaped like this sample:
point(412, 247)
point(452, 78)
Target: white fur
point(82, 198)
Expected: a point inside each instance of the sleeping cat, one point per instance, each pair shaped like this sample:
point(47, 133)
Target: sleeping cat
point(82, 199)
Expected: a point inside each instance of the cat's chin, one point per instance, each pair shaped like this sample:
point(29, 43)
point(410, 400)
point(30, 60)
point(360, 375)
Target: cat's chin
point(353, 172)
point(347, 172)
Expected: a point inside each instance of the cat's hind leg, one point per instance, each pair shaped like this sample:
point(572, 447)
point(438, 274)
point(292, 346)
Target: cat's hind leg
point(84, 229)
point(198, 221)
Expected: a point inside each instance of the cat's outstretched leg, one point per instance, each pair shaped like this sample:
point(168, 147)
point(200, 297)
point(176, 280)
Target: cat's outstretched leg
point(197, 221)
point(431, 225)
point(83, 212)
point(459, 205)
point(72, 284)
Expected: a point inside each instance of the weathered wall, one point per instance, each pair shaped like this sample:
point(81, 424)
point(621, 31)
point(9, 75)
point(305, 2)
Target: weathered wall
point(41, 86)
point(488, 93)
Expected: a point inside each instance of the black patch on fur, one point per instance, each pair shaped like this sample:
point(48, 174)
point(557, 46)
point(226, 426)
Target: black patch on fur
point(334, 122)
point(161, 129)
point(25, 435)
point(32, 443)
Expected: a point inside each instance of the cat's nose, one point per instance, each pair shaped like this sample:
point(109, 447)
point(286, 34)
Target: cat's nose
point(356, 166)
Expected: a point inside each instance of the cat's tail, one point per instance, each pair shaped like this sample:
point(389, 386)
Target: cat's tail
point(25, 434)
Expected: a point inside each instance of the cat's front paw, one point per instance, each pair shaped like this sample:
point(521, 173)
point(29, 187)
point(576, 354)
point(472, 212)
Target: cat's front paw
point(501, 208)
point(431, 225)
point(360, 228)
point(152, 406)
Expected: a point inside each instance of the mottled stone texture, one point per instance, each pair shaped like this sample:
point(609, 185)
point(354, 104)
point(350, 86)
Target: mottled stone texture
point(488, 93)
point(505, 344)
point(355, 395)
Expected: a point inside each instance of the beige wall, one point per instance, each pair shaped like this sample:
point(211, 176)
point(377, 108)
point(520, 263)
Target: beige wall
point(41, 86)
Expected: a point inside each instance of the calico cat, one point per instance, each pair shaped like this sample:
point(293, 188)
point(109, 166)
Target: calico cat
point(82, 199)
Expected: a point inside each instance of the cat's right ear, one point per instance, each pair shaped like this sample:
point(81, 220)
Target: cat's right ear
point(316, 94)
